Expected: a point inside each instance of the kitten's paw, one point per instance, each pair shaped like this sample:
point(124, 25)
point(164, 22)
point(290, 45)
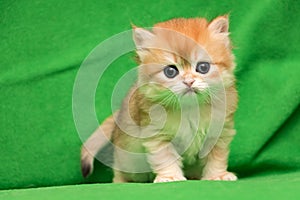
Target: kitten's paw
point(226, 176)
point(161, 179)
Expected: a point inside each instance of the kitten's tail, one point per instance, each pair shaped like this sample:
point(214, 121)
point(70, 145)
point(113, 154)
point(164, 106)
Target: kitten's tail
point(95, 143)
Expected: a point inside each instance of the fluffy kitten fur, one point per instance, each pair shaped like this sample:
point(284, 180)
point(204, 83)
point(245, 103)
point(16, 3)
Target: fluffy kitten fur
point(181, 43)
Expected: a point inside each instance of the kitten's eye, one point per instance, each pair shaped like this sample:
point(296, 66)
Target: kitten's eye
point(202, 67)
point(171, 71)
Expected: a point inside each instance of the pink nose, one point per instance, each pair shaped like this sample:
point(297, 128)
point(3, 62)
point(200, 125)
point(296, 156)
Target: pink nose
point(189, 82)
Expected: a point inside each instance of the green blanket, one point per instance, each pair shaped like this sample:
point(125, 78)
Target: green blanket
point(42, 45)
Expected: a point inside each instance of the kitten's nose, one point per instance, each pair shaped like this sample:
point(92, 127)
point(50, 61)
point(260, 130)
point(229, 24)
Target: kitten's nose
point(189, 82)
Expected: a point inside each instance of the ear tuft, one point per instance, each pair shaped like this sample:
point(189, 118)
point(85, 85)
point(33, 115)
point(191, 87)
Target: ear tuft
point(141, 36)
point(219, 25)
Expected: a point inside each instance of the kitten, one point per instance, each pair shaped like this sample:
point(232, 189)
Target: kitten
point(185, 90)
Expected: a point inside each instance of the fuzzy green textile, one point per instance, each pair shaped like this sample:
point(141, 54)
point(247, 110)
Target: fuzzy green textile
point(42, 45)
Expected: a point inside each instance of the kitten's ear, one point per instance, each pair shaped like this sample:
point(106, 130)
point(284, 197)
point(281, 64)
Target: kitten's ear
point(219, 25)
point(220, 28)
point(141, 37)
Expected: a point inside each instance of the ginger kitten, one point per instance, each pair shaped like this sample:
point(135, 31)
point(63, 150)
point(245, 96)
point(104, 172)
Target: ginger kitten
point(167, 127)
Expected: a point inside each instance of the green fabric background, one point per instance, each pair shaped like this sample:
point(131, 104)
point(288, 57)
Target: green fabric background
point(43, 43)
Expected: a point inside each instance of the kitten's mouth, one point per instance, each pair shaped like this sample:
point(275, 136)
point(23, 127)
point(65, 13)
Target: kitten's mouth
point(189, 91)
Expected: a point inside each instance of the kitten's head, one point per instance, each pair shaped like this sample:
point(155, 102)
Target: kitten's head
point(184, 56)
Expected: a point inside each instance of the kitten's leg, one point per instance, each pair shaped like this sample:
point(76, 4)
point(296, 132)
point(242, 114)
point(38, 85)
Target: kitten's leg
point(118, 177)
point(217, 159)
point(165, 161)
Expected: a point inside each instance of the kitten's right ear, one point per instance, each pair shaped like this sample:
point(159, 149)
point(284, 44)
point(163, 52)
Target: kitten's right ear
point(141, 37)
point(219, 25)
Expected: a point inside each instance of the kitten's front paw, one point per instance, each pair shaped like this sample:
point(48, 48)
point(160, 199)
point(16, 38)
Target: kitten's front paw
point(161, 179)
point(226, 176)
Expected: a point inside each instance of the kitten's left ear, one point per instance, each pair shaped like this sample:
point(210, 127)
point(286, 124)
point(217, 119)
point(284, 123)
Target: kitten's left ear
point(141, 37)
point(219, 25)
